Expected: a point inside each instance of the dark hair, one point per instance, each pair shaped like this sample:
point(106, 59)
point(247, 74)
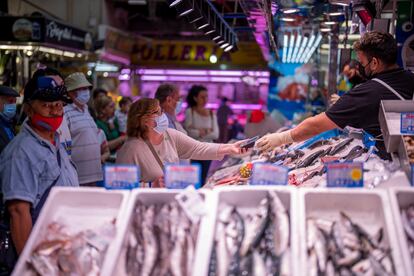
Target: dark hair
point(124, 101)
point(31, 85)
point(193, 93)
point(379, 45)
point(353, 64)
point(98, 91)
point(163, 91)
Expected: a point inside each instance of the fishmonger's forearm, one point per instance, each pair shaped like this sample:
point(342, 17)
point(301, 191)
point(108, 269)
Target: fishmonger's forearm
point(312, 126)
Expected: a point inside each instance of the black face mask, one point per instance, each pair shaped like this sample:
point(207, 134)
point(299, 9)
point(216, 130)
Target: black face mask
point(362, 71)
point(357, 79)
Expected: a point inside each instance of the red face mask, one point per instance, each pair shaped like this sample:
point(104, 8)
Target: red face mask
point(46, 123)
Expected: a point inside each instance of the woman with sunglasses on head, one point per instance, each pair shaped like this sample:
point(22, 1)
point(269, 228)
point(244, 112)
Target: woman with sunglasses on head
point(151, 144)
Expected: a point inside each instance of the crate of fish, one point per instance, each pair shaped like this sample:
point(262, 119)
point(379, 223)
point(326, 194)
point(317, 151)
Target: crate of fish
point(77, 233)
point(402, 203)
point(254, 232)
point(348, 232)
point(164, 233)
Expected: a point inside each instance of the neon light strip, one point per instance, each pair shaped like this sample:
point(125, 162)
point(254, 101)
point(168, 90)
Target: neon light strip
point(201, 73)
point(297, 46)
point(261, 80)
point(318, 40)
point(232, 106)
point(290, 50)
point(308, 47)
point(302, 48)
point(285, 45)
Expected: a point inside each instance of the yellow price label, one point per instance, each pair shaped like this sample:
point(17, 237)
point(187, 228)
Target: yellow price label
point(356, 174)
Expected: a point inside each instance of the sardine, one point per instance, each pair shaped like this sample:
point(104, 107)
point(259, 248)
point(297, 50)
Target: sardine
point(319, 143)
point(355, 152)
point(281, 222)
point(309, 160)
point(150, 242)
point(235, 235)
point(341, 146)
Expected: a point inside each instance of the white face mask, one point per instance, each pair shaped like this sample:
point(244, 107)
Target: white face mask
point(83, 96)
point(178, 107)
point(162, 123)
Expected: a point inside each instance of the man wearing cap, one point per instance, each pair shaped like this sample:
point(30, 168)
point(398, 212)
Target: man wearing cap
point(86, 149)
point(35, 160)
point(7, 114)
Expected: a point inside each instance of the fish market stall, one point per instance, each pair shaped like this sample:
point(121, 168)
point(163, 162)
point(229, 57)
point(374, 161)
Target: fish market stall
point(164, 234)
point(306, 161)
point(254, 232)
point(78, 232)
point(348, 231)
point(402, 203)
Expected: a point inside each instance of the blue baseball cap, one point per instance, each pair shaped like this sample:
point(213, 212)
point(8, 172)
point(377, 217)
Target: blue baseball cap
point(47, 90)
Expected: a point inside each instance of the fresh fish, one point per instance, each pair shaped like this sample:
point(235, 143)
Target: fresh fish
point(355, 152)
point(259, 267)
point(235, 236)
point(255, 228)
point(281, 222)
point(307, 161)
point(150, 242)
point(319, 143)
point(341, 146)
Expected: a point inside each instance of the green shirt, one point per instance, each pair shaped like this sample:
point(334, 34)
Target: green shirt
point(110, 134)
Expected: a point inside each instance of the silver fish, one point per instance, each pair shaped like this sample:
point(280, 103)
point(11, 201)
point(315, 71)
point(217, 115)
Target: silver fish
point(281, 221)
point(150, 242)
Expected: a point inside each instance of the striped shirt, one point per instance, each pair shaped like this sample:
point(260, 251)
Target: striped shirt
point(86, 149)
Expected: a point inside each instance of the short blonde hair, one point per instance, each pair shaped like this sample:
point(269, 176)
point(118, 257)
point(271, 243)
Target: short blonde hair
point(138, 113)
point(101, 103)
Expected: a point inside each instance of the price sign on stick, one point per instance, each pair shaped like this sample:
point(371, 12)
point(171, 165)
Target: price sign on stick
point(407, 123)
point(347, 174)
point(269, 174)
point(182, 176)
point(121, 177)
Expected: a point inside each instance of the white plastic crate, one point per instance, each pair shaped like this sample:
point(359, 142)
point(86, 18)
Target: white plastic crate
point(153, 196)
point(80, 208)
point(369, 208)
point(400, 198)
point(247, 198)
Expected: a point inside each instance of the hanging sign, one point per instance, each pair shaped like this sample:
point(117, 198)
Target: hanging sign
point(181, 176)
point(269, 174)
point(407, 123)
point(347, 174)
point(121, 177)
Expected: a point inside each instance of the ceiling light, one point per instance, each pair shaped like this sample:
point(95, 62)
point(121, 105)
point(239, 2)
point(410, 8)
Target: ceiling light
point(290, 10)
point(344, 3)
point(325, 30)
point(330, 23)
point(175, 3)
point(285, 46)
point(335, 13)
point(137, 2)
point(213, 59)
point(225, 45)
point(287, 19)
point(229, 48)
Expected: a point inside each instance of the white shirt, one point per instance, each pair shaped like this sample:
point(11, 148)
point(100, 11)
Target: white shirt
point(194, 121)
point(86, 148)
point(122, 120)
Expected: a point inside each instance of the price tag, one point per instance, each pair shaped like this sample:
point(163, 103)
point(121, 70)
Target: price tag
point(181, 176)
point(121, 177)
point(407, 123)
point(269, 174)
point(347, 174)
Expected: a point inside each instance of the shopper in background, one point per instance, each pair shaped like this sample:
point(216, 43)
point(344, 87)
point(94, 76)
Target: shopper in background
point(352, 71)
point(169, 97)
point(223, 114)
point(35, 161)
point(259, 124)
point(200, 123)
point(7, 115)
point(359, 108)
point(122, 113)
point(86, 149)
point(105, 110)
point(151, 144)
point(96, 94)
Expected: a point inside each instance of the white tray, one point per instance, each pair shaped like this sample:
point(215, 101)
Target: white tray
point(402, 197)
point(82, 208)
point(249, 197)
point(151, 196)
point(369, 208)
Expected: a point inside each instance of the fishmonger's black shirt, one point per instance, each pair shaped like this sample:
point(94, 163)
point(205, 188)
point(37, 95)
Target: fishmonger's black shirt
point(359, 108)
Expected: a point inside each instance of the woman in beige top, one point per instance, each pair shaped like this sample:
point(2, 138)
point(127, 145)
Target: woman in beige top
point(147, 124)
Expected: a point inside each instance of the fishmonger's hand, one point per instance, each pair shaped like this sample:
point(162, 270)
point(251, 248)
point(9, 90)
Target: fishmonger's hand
point(270, 141)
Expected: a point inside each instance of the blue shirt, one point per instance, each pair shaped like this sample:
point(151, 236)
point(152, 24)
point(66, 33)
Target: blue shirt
point(29, 165)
